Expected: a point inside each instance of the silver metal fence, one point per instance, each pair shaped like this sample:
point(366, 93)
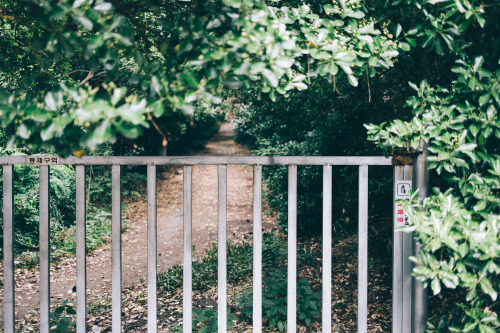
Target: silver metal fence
point(402, 242)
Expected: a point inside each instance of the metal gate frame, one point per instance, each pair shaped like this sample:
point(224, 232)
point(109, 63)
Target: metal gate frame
point(409, 297)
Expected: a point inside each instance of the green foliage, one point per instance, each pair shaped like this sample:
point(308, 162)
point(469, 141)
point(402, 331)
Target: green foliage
point(205, 321)
point(457, 116)
point(26, 197)
point(62, 318)
point(82, 73)
point(98, 233)
point(274, 301)
point(239, 266)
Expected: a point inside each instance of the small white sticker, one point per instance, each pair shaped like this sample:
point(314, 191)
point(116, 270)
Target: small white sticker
point(42, 160)
point(402, 192)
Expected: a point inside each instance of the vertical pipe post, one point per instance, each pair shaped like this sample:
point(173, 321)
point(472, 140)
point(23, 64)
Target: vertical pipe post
point(419, 304)
point(327, 248)
point(401, 278)
point(187, 296)
point(44, 249)
point(363, 250)
point(116, 249)
point(152, 249)
point(257, 249)
point(81, 258)
point(292, 249)
point(8, 247)
point(397, 265)
point(407, 267)
point(221, 249)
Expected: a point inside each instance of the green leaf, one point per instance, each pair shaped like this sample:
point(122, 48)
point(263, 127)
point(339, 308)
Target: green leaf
point(413, 86)
point(203, 329)
point(85, 22)
point(300, 86)
point(390, 54)
point(270, 77)
point(488, 289)
point(478, 62)
point(405, 47)
point(436, 286)
point(24, 132)
point(486, 329)
point(50, 103)
point(284, 62)
point(105, 6)
point(484, 99)
point(118, 94)
point(352, 80)
point(469, 327)
point(399, 28)
point(354, 14)
point(332, 68)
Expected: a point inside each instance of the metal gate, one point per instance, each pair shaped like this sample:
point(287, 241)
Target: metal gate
point(409, 298)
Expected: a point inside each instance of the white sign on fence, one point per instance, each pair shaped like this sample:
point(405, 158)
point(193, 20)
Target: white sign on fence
point(403, 188)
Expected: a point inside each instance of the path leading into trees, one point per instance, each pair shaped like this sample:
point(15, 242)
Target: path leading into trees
point(134, 245)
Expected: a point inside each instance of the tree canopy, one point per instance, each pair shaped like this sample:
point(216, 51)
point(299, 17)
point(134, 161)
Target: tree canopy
point(78, 73)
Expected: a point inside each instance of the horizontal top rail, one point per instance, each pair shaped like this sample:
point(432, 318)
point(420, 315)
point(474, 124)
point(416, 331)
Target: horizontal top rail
point(212, 160)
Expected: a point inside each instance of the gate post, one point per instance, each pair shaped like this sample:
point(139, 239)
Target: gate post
point(402, 248)
point(419, 304)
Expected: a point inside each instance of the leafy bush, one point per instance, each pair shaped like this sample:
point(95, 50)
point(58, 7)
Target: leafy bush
point(274, 301)
point(98, 232)
point(456, 115)
point(239, 266)
point(62, 319)
point(26, 198)
point(205, 321)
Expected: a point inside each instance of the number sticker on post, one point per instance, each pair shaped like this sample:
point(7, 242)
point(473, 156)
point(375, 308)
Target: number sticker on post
point(402, 190)
point(42, 160)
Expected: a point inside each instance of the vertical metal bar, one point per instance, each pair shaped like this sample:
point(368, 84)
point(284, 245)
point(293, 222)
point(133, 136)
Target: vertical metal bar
point(187, 298)
point(419, 299)
point(257, 249)
point(81, 258)
point(8, 247)
point(116, 250)
point(44, 249)
point(327, 248)
point(397, 266)
point(407, 267)
point(363, 250)
point(221, 247)
point(292, 249)
point(152, 249)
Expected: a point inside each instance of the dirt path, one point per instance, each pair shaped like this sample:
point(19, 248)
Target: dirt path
point(134, 246)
